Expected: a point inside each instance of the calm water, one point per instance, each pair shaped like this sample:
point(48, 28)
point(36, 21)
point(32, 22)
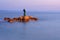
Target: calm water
point(46, 28)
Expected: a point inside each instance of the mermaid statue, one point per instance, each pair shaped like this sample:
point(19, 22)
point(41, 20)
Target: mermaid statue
point(24, 12)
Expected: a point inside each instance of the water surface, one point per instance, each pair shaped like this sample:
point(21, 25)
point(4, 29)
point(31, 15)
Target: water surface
point(46, 28)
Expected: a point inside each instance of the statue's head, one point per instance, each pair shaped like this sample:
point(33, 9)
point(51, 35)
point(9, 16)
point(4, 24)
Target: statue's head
point(24, 10)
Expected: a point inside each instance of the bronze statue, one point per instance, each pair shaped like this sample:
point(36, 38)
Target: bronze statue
point(24, 12)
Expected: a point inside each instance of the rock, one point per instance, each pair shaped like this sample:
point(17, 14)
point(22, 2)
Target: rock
point(21, 19)
point(6, 19)
point(11, 20)
point(15, 19)
point(30, 17)
point(24, 18)
point(34, 19)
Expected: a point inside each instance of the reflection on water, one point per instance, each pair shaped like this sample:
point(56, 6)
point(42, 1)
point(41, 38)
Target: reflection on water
point(46, 28)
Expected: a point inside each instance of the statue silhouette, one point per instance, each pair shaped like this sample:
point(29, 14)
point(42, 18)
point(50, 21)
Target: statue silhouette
point(24, 12)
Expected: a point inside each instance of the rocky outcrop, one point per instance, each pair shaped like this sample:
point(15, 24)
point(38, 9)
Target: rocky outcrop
point(21, 19)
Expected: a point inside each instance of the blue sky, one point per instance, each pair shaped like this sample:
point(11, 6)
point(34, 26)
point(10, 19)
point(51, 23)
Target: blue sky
point(33, 5)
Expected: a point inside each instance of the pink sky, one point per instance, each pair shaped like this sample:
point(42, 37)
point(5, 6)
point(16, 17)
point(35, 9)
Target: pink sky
point(36, 5)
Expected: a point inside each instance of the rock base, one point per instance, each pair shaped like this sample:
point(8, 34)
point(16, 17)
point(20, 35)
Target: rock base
point(21, 19)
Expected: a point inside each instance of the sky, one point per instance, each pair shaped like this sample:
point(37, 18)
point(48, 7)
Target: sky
point(33, 5)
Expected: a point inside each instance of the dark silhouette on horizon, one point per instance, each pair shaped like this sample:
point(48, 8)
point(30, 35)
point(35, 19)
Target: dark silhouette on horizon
point(24, 12)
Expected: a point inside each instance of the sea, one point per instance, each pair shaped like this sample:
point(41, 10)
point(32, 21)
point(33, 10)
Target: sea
point(47, 27)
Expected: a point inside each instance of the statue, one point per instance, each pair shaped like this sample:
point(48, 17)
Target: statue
point(24, 12)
